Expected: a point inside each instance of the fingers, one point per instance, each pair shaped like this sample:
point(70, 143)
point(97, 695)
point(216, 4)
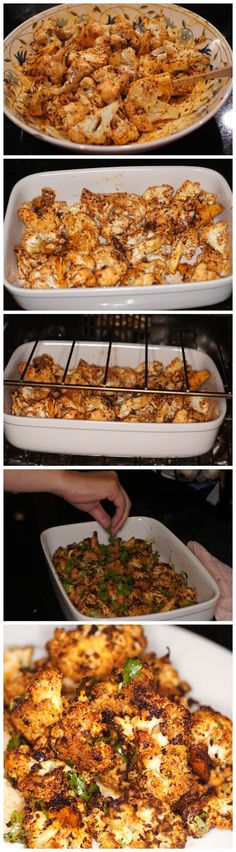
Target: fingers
point(100, 515)
point(122, 504)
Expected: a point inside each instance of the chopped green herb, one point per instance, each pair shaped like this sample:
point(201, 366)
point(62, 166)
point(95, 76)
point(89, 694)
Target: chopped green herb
point(14, 742)
point(118, 748)
point(119, 607)
point(201, 825)
point(16, 832)
point(124, 556)
point(40, 805)
point(183, 574)
point(134, 757)
point(68, 568)
point(66, 585)
point(78, 785)
point(112, 575)
point(125, 587)
point(112, 538)
point(103, 592)
point(219, 724)
point(131, 669)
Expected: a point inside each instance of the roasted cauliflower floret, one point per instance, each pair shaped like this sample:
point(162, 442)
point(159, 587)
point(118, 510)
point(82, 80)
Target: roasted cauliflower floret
point(41, 705)
point(79, 268)
point(83, 233)
point(211, 741)
point(159, 729)
point(17, 672)
point(39, 778)
point(166, 677)
point(47, 276)
point(80, 736)
point(110, 266)
point(63, 827)
point(214, 809)
point(94, 650)
point(216, 235)
point(137, 821)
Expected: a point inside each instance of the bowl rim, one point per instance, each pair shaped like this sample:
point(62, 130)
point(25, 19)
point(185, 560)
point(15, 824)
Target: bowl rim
point(133, 147)
point(172, 613)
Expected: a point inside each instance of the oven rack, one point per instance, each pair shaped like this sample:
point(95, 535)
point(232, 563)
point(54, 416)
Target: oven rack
point(104, 387)
point(127, 328)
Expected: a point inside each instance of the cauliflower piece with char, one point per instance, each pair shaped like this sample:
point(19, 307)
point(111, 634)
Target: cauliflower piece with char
point(214, 809)
point(110, 266)
point(137, 820)
point(211, 741)
point(166, 678)
point(80, 736)
point(216, 235)
point(59, 828)
point(90, 650)
point(46, 276)
point(40, 706)
point(155, 727)
point(79, 269)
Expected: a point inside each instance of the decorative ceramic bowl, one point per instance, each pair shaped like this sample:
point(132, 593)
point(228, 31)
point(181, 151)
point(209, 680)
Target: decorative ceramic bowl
point(213, 44)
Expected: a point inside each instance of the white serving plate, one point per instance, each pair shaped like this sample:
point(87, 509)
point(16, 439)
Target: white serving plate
point(219, 51)
point(86, 437)
point(171, 550)
point(68, 186)
point(204, 664)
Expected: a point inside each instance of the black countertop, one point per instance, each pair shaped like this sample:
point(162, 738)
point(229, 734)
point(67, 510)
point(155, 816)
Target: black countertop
point(215, 137)
point(184, 510)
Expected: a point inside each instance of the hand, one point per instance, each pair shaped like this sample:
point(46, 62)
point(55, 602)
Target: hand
point(86, 490)
point(222, 574)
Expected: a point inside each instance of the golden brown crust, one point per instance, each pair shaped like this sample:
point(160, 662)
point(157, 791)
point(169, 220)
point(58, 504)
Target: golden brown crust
point(123, 239)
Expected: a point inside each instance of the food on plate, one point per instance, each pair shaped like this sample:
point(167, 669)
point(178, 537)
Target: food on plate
point(121, 578)
point(82, 404)
point(118, 765)
point(111, 82)
point(122, 239)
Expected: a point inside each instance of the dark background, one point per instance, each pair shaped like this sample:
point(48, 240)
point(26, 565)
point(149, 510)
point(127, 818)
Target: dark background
point(220, 633)
point(183, 509)
point(213, 138)
point(14, 170)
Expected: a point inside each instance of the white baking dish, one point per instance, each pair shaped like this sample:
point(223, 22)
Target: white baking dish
point(68, 186)
point(84, 437)
point(171, 549)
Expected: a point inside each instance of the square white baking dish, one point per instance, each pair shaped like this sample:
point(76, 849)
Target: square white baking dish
point(90, 438)
point(171, 549)
point(68, 186)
